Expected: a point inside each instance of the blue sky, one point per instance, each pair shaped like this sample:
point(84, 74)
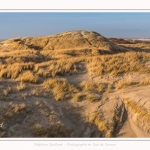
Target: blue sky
point(117, 24)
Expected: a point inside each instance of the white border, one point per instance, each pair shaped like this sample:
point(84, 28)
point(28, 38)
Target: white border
point(80, 144)
point(74, 4)
point(28, 143)
point(74, 10)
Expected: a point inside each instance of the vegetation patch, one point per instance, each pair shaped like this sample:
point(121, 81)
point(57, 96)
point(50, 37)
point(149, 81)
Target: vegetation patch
point(59, 88)
point(105, 128)
point(28, 76)
point(55, 130)
point(92, 87)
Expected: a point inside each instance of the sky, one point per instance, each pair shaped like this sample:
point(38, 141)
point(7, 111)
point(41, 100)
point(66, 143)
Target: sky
point(108, 24)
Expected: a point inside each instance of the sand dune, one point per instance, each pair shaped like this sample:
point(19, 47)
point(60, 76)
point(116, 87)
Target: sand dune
point(74, 84)
point(65, 41)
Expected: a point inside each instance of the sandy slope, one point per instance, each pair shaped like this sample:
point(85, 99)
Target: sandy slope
point(138, 132)
point(33, 110)
point(75, 116)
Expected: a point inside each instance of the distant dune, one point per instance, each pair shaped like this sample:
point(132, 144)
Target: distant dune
point(2, 40)
point(143, 39)
point(68, 41)
point(128, 41)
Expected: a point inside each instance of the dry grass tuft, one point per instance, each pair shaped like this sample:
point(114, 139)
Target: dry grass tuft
point(143, 115)
point(92, 87)
point(124, 83)
point(14, 109)
point(21, 86)
point(99, 121)
point(6, 91)
point(78, 97)
point(144, 82)
point(89, 97)
point(137, 109)
point(59, 88)
point(55, 130)
point(120, 84)
point(93, 97)
point(28, 76)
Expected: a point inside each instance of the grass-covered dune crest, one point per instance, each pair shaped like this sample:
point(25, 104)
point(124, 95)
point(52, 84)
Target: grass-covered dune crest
point(76, 39)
